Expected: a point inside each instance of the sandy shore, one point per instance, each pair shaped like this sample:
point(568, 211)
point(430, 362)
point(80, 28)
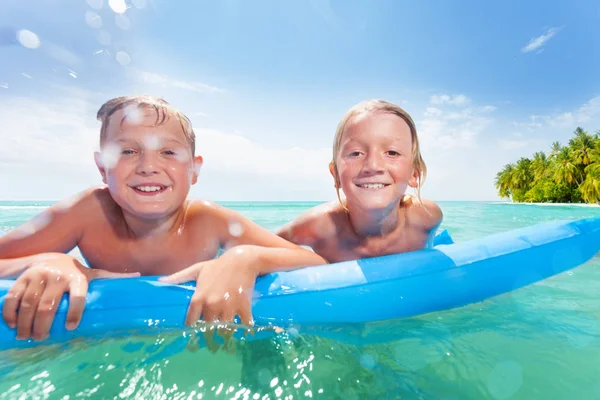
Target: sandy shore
point(548, 204)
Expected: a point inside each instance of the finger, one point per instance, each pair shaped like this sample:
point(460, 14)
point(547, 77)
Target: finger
point(28, 307)
point(210, 312)
point(195, 309)
point(226, 331)
point(186, 275)
point(77, 292)
point(225, 327)
point(46, 311)
point(209, 338)
point(228, 341)
point(227, 315)
point(245, 314)
point(12, 301)
point(101, 273)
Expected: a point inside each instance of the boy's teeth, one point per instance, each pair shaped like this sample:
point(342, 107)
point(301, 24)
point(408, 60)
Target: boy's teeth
point(148, 188)
point(372, 185)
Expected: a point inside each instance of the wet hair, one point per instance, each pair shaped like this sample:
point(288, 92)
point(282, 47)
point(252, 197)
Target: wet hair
point(372, 107)
point(161, 107)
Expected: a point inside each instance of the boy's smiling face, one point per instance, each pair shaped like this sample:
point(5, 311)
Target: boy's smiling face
point(148, 169)
point(375, 161)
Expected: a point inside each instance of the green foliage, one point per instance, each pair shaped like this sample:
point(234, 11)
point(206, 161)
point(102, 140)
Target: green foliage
point(567, 174)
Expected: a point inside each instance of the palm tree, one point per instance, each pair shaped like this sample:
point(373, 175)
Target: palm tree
point(504, 181)
point(522, 174)
point(565, 170)
point(590, 188)
point(540, 166)
point(555, 149)
point(580, 146)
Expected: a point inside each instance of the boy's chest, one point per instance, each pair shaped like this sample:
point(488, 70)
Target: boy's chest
point(148, 257)
point(351, 249)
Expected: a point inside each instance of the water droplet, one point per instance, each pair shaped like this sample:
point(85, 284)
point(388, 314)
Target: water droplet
point(505, 379)
point(117, 6)
point(110, 155)
point(122, 21)
point(139, 4)
point(274, 382)
point(73, 74)
point(368, 361)
point(104, 38)
point(4, 85)
point(28, 39)
point(123, 58)
point(151, 142)
point(26, 75)
point(264, 376)
point(236, 229)
point(135, 115)
point(93, 20)
point(95, 4)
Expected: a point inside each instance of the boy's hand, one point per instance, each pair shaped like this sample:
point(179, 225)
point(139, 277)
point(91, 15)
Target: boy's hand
point(33, 300)
point(223, 287)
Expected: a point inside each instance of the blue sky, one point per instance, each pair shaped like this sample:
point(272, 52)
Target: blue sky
point(265, 83)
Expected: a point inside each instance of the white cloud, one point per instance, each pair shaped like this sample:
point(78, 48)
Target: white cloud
point(455, 128)
point(61, 131)
point(513, 144)
point(432, 112)
point(166, 81)
point(532, 124)
point(537, 42)
point(588, 113)
point(234, 153)
point(457, 100)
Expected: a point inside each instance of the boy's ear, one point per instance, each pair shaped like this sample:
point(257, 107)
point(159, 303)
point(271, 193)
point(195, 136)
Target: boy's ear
point(332, 172)
point(198, 160)
point(414, 179)
point(100, 165)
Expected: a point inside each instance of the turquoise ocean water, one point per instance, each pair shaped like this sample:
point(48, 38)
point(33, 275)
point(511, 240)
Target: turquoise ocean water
point(539, 342)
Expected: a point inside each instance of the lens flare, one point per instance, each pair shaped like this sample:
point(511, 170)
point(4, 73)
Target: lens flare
point(28, 39)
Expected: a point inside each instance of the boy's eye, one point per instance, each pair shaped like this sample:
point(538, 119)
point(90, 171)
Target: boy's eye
point(354, 154)
point(393, 153)
point(169, 152)
point(127, 152)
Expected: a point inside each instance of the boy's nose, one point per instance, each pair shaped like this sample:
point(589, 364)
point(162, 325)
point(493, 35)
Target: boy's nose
point(148, 164)
point(373, 163)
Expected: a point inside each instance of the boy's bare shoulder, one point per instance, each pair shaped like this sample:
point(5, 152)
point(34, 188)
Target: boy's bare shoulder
point(312, 225)
point(201, 214)
point(428, 215)
point(86, 201)
point(203, 210)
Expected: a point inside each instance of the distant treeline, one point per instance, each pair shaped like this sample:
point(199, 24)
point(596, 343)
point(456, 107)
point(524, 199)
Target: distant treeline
point(568, 174)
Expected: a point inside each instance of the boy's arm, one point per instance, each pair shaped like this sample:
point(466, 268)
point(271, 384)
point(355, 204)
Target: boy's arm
point(224, 285)
point(431, 218)
point(56, 229)
point(267, 250)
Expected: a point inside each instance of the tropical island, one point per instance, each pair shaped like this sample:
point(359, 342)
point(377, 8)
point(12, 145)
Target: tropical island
point(568, 174)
